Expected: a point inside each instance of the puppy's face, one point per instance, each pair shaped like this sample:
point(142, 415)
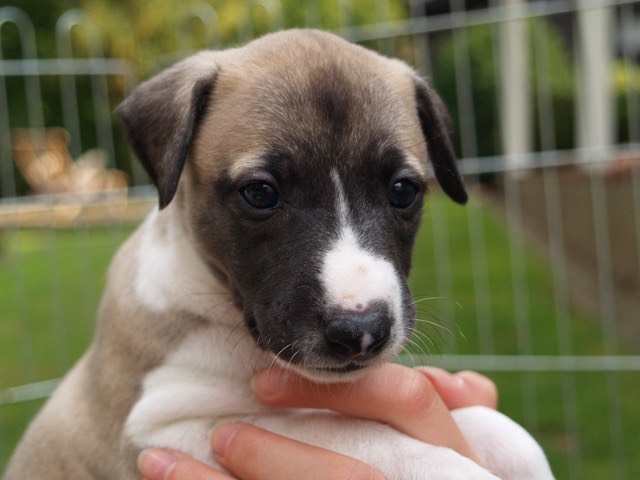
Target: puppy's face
point(302, 165)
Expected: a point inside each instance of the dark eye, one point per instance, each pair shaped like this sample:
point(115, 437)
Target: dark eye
point(260, 195)
point(403, 194)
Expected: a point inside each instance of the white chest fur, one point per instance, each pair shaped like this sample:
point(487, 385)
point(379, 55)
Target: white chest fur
point(169, 274)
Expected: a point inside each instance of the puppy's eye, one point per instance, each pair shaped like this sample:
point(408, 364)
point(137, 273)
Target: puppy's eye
point(260, 195)
point(403, 194)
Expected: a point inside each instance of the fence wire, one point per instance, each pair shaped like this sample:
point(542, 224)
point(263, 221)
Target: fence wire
point(537, 281)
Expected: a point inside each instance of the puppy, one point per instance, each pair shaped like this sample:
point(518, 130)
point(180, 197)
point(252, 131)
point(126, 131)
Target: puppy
point(291, 174)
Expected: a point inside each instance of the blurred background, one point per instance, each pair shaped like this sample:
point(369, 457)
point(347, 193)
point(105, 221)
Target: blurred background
point(536, 282)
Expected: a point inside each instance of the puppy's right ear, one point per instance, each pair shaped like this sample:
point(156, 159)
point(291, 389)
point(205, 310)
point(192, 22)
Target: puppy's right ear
point(162, 115)
point(433, 120)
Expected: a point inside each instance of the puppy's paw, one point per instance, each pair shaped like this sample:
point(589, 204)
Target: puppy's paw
point(435, 463)
point(507, 449)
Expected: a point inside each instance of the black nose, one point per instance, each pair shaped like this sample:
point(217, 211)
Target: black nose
point(353, 335)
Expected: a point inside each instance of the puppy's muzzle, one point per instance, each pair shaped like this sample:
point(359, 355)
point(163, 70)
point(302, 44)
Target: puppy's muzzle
point(358, 335)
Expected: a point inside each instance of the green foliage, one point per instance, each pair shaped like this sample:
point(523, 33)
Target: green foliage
point(44, 15)
point(154, 33)
point(552, 80)
point(145, 30)
point(477, 45)
point(151, 34)
point(626, 84)
point(482, 68)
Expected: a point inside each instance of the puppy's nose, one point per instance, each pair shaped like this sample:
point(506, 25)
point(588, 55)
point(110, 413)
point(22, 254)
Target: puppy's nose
point(358, 334)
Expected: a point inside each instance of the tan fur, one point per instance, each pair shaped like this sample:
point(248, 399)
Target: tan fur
point(245, 109)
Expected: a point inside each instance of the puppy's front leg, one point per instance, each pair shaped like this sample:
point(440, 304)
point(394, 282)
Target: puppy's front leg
point(396, 455)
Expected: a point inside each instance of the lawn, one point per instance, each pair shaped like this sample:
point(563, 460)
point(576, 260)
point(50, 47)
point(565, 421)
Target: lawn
point(50, 284)
point(470, 300)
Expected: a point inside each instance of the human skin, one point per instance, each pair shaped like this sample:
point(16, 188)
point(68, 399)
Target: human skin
point(408, 399)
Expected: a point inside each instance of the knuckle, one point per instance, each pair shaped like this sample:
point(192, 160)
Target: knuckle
point(415, 394)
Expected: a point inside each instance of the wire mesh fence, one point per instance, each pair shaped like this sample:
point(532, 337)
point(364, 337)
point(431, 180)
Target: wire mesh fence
point(536, 282)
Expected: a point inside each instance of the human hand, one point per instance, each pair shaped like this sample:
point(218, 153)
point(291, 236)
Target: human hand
point(414, 401)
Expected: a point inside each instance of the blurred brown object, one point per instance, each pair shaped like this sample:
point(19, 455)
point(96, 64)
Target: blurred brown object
point(43, 158)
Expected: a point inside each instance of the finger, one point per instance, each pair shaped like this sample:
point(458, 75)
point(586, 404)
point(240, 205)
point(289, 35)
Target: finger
point(462, 389)
point(252, 453)
point(156, 464)
point(399, 396)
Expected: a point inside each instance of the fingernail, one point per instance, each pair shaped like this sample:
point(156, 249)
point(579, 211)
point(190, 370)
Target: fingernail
point(155, 464)
point(269, 382)
point(222, 438)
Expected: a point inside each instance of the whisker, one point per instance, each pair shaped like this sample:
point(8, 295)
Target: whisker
point(408, 352)
point(421, 347)
point(437, 325)
point(425, 340)
point(295, 352)
point(427, 298)
point(277, 355)
point(240, 338)
point(261, 353)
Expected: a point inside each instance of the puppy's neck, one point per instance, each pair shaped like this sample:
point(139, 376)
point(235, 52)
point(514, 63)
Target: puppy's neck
point(171, 276)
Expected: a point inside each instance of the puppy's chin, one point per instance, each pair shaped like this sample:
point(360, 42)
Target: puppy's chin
point(328, 374)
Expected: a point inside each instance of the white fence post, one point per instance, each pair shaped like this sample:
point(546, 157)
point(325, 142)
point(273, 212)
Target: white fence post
point(595, 103)
point(515, 91)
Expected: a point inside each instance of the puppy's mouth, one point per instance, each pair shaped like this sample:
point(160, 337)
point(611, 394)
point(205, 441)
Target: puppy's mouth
point(326, 368)
point(329, 374)
point(330, 371)
point(349, 368)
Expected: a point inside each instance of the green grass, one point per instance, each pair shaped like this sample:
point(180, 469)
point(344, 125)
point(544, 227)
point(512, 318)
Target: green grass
point(588, 441)
point(50, 284)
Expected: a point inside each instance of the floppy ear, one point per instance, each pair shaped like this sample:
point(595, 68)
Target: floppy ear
point(434, 118)
point(162, 115)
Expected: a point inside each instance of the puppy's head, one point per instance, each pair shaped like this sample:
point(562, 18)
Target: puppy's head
point(300, 163)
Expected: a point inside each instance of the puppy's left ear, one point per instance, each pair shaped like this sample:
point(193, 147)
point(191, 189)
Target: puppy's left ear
point(162, 115)
point(434, 118)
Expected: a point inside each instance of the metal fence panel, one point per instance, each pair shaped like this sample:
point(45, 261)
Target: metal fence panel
point(536, 282)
